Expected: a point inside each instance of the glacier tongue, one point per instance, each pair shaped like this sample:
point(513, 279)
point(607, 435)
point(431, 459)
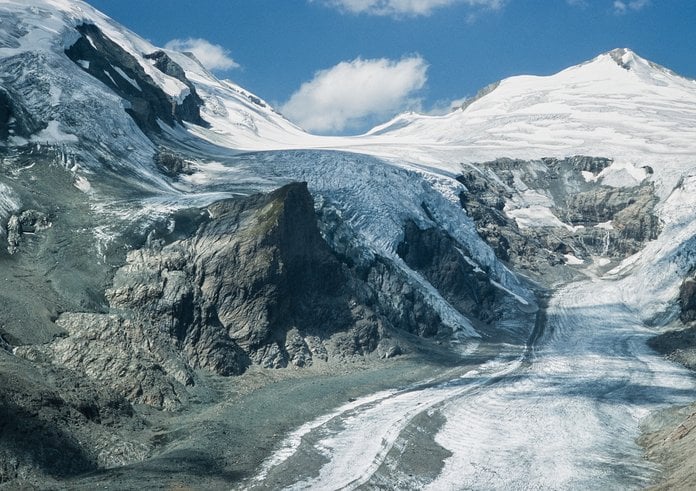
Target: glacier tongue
point(569, 419)
point(374, 200)
point(564, 415)
point(562, 410)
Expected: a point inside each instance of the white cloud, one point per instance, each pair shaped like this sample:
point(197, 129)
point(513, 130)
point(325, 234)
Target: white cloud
point(621, 7)
point(405, 7)
point(353, 92)
point(446, 106)
point(212, 56)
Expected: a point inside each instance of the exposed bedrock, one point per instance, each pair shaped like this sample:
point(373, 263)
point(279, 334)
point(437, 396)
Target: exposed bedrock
point(669, 437)
point(256, 283)
point(29, 221)
point(172, 164)
point(134, 358)
point(388, 290)
point(402, 304)
point(112, 65)
point(15, 120)
point(680, 344)
point(589, 217)
point(687, 299)
point(442, 262)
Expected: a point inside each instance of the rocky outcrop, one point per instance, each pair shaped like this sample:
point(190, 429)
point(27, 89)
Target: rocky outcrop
point(112, 65)
point(29, 221)
point(593, 219)
point(388, 290)
point(678, 345)
point(397, 300)
point(133, 358)
point(172, 164)
point(484, 201)
point(669, 439)
point(441, 261)
point(14, 119)
point(54, 425)
point(687, 300)
point(246, 285)
point(167, 66)
point(4, 344)
point(190, 106)
point(255, 284)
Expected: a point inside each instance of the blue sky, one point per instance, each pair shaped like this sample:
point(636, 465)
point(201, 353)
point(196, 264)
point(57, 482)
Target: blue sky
point(362, 61)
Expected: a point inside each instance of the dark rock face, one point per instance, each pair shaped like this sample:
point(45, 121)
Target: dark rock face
point(172, 164)
point(256, 283)
point(387, 289)
point(6, 113)
point(687, 300)
point(14, 119)
point(600, 220)
point(436, 256)
point(167, 66)
point(190, 106)
point(4, 344)
point(108, 62)
point(392, 295)
point(677, 345)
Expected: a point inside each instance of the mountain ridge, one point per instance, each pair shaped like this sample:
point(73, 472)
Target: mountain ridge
point(172, 246)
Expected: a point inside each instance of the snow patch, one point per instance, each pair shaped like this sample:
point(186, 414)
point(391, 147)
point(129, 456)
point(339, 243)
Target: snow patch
point(106, 72)
point(123, 75)
point(589, 176)
point(622, 175)
point(538, 216)
point(573, 260)
point(470, 262)
point(520, 299)
point(53, 134)
point(91, 42)
point(82, 184)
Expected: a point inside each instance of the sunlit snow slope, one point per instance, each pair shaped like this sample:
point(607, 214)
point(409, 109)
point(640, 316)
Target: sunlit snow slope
point(540, 414)
point(617, 105)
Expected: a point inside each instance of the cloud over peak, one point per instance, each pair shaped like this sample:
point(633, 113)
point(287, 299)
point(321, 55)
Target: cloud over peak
point(404, 7)
point(212, 56)
point(351, 92)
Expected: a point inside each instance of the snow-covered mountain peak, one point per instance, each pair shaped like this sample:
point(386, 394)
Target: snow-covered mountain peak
point(623, 57)
point(103, 90)
point(626, 60)
point(617, 105)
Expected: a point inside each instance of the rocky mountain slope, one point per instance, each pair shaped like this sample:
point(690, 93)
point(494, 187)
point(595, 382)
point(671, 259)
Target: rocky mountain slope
point(165, 232)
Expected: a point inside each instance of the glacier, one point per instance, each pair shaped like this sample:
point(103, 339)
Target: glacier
point(561, 410)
